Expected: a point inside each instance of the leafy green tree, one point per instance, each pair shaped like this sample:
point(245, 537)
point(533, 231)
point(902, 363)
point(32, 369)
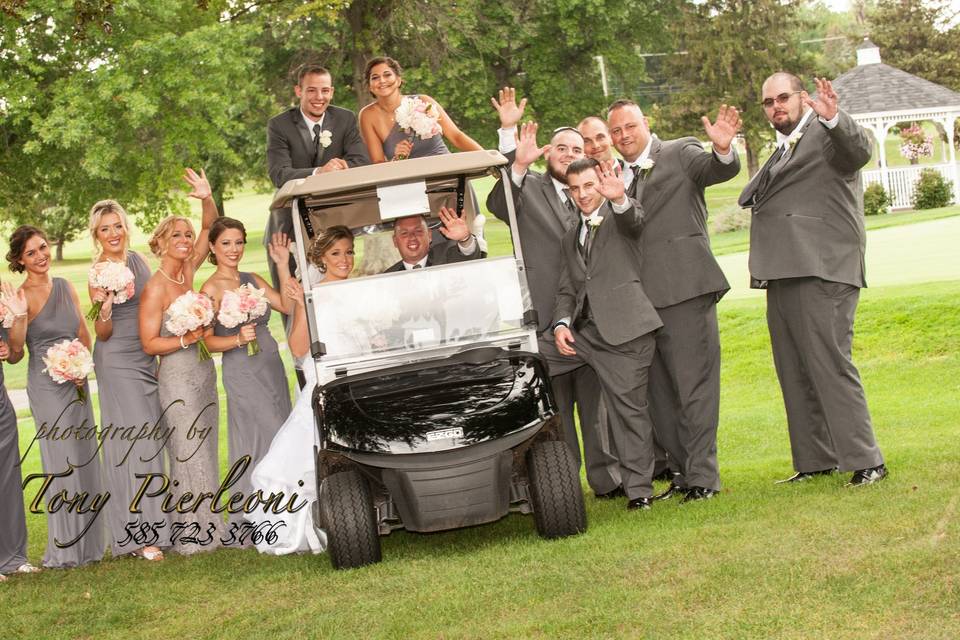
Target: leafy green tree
point(916, 36)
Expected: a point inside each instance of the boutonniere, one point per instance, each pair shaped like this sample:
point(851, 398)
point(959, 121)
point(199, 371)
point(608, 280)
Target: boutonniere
point(326, 138)
point(646, 164)
point(594, 221)
point(793, 140)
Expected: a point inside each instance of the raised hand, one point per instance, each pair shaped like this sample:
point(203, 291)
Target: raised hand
point(510, 112)
point(724, 130)
point(279, 248)
point(826, 103)
point(527, 150)
point(13, 299)
point(454, 227)
point(609, 183)
point(201, 188)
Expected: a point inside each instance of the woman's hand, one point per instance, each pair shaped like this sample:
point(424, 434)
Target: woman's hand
point(201, 188)
point(248, 333)
point(402, 150)
point(279, 248)
point(13, 299)
point(294, 291)
point(4, 350)
point(193, 337)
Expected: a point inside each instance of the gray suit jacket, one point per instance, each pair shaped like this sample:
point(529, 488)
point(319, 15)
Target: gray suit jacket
point(446, 252)
point(809, 220)
point(677, 261)
point(542, 221)
point(619, 306)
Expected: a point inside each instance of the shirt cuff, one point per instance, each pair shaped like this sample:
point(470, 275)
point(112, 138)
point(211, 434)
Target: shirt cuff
point(508, 142)
point(832, 122)
point(517, 178)
point(564, 321)
point(316, 171)
point(622, 208)
point(468, 246)
point(727, 157)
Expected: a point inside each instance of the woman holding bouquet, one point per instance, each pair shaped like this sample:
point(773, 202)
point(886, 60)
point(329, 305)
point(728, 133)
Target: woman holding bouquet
point(53, 317)
point(383, 135)
point(187, 382)
point(126, 374)
point(258, 398)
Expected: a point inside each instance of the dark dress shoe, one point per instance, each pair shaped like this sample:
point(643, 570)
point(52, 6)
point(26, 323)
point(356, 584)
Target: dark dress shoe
point(640, 503)
point(666, 474)
point(613, 493)
point(868, 476)
point(672, 490)
point(698, 493)
point(802, 476)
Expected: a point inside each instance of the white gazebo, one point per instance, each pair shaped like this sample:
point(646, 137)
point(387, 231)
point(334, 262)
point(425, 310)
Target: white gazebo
point(879, 96)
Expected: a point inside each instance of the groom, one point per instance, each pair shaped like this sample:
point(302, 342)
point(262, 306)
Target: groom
point(311, 138)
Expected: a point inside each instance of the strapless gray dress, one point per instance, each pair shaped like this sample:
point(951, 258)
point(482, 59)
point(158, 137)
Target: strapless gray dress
point(13, 524)
point(129, 397)
point(54, 404)
point(188, 392)
point(258, 398)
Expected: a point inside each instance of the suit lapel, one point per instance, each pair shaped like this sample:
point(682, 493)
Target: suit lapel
point(560, 212)
point(643, 188)
point(305, 135)
point(777, 171)
point(329, 124)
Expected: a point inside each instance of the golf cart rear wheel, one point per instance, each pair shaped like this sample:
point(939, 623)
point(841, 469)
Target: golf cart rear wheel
point(555, 491)
point(348, 517)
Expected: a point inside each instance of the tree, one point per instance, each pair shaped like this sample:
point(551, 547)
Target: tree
point(731, 47)
point(913, 35)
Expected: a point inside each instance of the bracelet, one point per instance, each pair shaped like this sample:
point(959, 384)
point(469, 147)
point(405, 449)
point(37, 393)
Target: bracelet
point(107, 319)
point(20, 315)
point(182, 346)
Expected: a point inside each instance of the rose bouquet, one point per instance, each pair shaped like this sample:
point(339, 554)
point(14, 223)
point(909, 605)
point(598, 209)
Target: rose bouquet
point(418, 118)
point(69, 361)
point(241, 306)
point(111, 276)
point(188, 312)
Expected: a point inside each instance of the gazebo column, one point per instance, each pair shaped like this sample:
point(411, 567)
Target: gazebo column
point(883, 129)
point(948, 126)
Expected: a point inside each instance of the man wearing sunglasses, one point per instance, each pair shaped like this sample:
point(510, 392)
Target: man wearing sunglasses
point(807, 243)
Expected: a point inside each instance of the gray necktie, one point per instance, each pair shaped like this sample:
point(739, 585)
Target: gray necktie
point(569, 205)
point(317, 149)
point(636, 180)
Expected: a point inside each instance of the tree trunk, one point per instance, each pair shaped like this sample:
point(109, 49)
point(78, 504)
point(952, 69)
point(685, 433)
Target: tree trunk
point(58, 257)
point(753, 161)
point(358, 14)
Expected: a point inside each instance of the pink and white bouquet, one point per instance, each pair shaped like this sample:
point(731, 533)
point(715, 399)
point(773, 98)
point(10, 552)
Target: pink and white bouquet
point(189, 312)
point(111, 276)
point(418, 118)
point(69, 361)
point(241, 306)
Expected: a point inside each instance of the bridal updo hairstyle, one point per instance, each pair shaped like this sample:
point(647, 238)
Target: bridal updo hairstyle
point(18, 240)
point(220, 225)
point(161, 235)
point(97, 212)
point(390, 62)
point(322, 243)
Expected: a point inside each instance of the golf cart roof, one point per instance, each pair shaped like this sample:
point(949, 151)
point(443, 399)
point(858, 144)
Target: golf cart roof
point(362, 182)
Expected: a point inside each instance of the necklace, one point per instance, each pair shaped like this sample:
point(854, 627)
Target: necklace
point(164, 274)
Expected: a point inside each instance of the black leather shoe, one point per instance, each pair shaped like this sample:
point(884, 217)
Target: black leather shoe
point(672, 490)
point(803, 476)
point(868, 476)
point(640, 503)
point(613, 493)
point(663, 476)
point(698, 493)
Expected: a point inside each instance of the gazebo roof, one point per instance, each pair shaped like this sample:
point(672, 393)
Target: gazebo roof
point(874, 87)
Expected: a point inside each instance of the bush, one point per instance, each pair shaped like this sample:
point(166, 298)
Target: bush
point(729, 219)
point(932, 190)
point(875, 200)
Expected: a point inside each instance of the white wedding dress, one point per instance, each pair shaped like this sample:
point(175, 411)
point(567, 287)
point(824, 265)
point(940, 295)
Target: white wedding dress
point(287, 464)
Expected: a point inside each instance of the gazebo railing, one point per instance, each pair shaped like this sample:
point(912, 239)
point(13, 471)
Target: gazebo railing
point(903, 180)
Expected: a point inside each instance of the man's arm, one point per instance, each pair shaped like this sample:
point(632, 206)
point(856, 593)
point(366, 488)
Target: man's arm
point(848, 147)
point(354, 150)
point(279, 160)
point(566, 300)
point(723, 163)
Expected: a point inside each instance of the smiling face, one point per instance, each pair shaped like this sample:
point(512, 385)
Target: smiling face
point(36, 255)
point(596, 139)
point(583, 190)
point(411, 237)
point(315, 92)
point(228, 247)
point(629, 131)
point(383, 81)
point(338, 260)
point(111, 234)
point(565, 147)
point(180, 241)
point(785, 108)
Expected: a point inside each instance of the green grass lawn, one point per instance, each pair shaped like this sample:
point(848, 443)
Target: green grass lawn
point(761, 561)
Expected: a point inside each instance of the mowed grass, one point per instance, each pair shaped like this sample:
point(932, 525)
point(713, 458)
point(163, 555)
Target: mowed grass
point(761, 561)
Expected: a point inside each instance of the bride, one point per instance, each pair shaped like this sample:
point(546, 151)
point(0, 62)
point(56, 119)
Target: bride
point(288, 466)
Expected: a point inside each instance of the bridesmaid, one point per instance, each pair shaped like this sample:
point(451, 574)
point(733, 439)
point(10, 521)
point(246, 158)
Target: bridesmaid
point(258, 398)
point(53, 315)
point(188, 387)
point(127, 384)
point(381, 133)
point(13, 524)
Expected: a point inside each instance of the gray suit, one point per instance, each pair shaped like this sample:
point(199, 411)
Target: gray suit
point(290, 156)
point(615, 337)
point(684, 283)
point(542, 220)
point(807, 245)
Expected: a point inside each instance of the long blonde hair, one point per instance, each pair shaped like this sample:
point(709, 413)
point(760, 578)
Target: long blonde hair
point(97, 211)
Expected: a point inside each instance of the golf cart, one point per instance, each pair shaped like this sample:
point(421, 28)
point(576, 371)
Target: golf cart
point(433, 407)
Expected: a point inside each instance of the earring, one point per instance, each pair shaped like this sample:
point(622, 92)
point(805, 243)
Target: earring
point(322, 266)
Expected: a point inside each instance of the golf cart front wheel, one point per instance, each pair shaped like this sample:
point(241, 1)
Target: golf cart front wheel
point(558, 509)
point(348, 517)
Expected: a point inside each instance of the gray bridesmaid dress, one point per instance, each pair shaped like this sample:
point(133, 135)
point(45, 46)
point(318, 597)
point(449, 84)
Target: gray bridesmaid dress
point(188, 392)
point(13, 524)
point(421, 148)
point(127, 386)
point(54, 404)
point(258, 398)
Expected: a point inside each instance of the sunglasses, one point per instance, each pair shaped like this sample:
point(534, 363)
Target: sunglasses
point(780, 99)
